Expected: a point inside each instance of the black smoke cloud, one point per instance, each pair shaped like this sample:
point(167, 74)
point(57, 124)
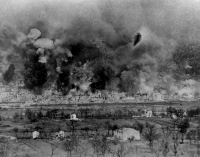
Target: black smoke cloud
point(115, 40)
point(8, 76)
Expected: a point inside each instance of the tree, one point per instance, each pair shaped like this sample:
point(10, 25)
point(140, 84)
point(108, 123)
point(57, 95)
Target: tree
point(198, 137)
point(86, 112)
point(4, 148)
point(16, 116)
point(121, 151)
point(97, 127)
point(62, 115)
point(73, 125)
point(165, 141)
point(165, 147)
point(175, 144)
point(118, 113)
point(161, 147)
point(39, 115)
point(86, 129)
point(53, 148)
point(49, 114)
point(171, 110)
point(150, 134)
point(71, 144)
point(16, 130)
point(183, 126)
point(83, 148)
point(191, 135)
point(139, 126)
point(114, 127)
point(107, 126)
point(193, 112)
point(100, 145)
point(30, 116)
point(180, 113)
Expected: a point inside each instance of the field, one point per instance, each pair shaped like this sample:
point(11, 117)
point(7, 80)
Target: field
point(87, 129)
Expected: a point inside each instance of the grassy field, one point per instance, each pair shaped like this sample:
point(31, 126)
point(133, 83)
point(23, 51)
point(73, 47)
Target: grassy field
point(45, 148)
point(51, 147)
point(41, 148)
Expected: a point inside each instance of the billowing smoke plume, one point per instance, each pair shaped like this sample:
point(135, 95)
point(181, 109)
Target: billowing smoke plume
point(122, 45)
point(8, 76)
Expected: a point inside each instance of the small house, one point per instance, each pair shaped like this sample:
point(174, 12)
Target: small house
point(174, 116)
point(73, 117)
point(147, 113)
point(61, 134)
point(185, 114)
point(35, 134)
point(125, 134)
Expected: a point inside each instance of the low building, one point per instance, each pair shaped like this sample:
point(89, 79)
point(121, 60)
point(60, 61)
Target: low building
point(174, 116)
point(73, 117)
point(125, 134)
point(61, 134)
point(35, 134)
point(147, 113)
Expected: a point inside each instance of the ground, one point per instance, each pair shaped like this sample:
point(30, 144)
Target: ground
point(40, 148)
point(43, 148)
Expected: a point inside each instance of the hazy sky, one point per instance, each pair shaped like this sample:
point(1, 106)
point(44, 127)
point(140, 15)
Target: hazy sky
point(162, 23)
point(167, 14)
point(177, 19)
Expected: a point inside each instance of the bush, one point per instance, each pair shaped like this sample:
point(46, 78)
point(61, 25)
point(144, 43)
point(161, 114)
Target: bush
point(30, 116)
point(139, 126)
point(16, 116)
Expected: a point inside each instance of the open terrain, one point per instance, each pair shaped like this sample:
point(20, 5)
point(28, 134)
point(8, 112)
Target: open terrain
point(88, 128)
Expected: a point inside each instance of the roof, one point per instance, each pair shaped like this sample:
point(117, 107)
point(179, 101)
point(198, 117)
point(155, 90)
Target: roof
point(128, 129)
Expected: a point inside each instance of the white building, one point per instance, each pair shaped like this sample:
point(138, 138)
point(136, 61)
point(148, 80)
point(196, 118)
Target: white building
point(147, 113)
point(35, 134)
point(61, 134)
point(73, 117)
point(174, 116)
point(127, 133)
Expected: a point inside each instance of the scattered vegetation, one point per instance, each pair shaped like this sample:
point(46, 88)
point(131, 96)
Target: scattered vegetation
point(97, 129)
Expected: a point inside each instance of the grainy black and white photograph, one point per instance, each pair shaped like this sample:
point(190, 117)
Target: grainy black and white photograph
point(99, 78)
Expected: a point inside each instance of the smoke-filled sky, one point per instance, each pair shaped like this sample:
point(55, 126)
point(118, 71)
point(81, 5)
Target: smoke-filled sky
point(167, 17)
point(59, 34)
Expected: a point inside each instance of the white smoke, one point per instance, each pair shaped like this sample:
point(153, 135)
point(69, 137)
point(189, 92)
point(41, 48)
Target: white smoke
point(44, 43)
point(144, 88)
point(34, 34)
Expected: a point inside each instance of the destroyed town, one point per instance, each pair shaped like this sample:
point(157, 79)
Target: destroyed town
point(99, 78)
